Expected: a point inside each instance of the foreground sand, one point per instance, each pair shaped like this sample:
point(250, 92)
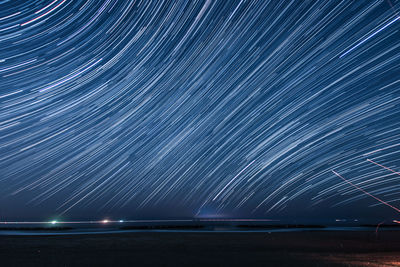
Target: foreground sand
point(204, 249)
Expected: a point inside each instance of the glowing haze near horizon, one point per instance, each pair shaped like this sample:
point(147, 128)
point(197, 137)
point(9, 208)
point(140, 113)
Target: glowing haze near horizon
point(199, 109)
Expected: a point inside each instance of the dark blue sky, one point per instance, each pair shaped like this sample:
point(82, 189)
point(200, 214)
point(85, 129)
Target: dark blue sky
point(142, 109)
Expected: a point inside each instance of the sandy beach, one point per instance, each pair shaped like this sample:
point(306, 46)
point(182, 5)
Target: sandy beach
point(307, 248)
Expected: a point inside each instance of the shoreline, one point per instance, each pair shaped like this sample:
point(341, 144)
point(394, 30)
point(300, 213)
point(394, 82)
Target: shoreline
point(60, 231)
point(301, 248)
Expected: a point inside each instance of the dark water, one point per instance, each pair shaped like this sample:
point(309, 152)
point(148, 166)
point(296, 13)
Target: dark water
point(208, 229)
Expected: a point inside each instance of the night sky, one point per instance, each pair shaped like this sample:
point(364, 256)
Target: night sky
point(161, 109)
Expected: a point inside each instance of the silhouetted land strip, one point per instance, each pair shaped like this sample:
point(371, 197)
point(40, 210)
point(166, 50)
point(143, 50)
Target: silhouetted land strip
point(285, 226)
point(226, 226)
point(35, 228)
point(165, 227)
point(302, 248)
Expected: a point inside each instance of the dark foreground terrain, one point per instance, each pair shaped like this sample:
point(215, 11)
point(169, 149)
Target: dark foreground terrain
point(315, 248)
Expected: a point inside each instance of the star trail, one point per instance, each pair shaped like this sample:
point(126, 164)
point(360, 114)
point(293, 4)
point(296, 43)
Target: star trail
point(199, 108)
